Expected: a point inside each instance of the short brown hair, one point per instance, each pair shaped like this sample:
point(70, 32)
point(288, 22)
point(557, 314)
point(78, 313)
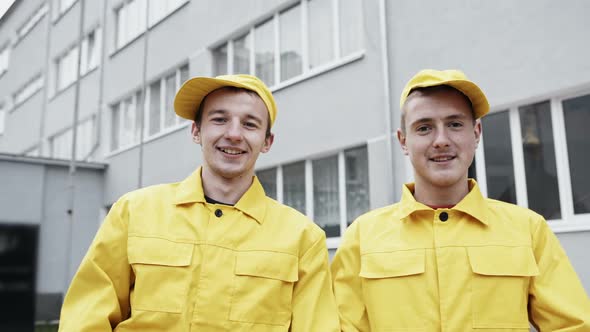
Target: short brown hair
point(429, 91)
point(199, 115)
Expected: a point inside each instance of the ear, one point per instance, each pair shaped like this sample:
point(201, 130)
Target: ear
point(402, 141)
point(196, 133)
point(477, 130)
point(268, 143)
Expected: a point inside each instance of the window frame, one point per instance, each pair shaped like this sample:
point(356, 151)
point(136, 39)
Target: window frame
point(569, 221)
point(31, 22)
point(332, 242)
point(336, 61)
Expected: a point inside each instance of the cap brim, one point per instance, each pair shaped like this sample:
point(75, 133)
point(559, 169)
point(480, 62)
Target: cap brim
point(192, 92)
point(478, 99)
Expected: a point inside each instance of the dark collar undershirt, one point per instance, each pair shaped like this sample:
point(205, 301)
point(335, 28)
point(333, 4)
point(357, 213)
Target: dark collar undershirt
point(212, 201)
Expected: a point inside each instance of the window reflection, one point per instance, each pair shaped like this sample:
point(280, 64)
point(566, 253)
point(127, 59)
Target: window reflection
point(576, 112)
point(539, 159)
point(326, 202)
point(294, 186)
point(268, 180)
point(498, 157)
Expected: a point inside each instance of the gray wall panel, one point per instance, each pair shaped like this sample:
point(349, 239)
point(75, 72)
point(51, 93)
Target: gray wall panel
point(21, 192)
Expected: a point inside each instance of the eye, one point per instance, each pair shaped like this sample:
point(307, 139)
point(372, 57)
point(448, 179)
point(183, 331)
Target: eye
point(251, 125)
point(423, 129)
point(218, 120)
point(455, 124)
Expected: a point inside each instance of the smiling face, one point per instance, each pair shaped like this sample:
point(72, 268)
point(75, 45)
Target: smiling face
point(232, 133)
point(440, 137)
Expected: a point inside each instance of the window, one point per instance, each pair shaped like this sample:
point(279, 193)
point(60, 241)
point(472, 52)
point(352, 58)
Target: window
point(291, 43)
point(125, 122)
point(2, 119)
point(159, 9)
point(28, 90)
point(576, 112)
point(67, 64)
point(320, 32)
point(4, 59)
point(294, 186)
point(241, 59)
point(357, 183)
point(498, 157)
point(91, 51)
point(268, 180)
point(160, 110)
point(61, 144)
point(535, 156)
point(131, 21)
point(61, 6)
point(539, 159)
point(333, 190)
point(31, 22)
point(265, 52)
point(311, 34)
point(326, 200)
point(67, 67)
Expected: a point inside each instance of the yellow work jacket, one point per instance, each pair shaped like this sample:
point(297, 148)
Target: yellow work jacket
point(166, 260)
point(483, 265)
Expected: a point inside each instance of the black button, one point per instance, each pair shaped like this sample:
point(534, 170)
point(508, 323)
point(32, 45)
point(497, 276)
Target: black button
point(218, 213)
point(443, 216)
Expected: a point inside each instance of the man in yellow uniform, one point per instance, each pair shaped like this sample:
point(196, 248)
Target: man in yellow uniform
point(444, 258)
point(213, 252)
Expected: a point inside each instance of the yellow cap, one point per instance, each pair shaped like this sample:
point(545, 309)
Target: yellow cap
point(454, 78)
point(192, 92)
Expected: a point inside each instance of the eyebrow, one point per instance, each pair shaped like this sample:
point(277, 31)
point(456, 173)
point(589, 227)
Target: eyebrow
point(450, 117)
point(224, 112)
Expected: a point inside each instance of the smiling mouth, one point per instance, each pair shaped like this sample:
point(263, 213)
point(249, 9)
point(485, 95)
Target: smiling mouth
point(233, 152)
point(442, 159)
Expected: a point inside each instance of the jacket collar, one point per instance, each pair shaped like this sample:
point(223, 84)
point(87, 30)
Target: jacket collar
point(252, 203)
point(473, 204)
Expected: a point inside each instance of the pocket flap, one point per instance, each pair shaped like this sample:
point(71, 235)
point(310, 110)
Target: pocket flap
point(267, 264)
point(156, 251)
point(503, 261)
point(392, 264)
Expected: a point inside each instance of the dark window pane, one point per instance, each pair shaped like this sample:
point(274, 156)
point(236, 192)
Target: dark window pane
point(539, 159)
point(576, 113)
point(294, 186)
point(357, 183)
point(498, 157)
point(268, 180)
point(326, 200)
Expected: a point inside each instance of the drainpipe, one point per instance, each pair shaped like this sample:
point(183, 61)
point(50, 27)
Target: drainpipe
point(72, 170)
point(101, 107)
point(46, 79)
point(387, 95)
point(143, 96)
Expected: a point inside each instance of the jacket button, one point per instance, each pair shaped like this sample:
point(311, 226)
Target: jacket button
point(443, 216)
point(218, 213)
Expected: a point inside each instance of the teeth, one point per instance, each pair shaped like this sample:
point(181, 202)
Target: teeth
point(231, 151)
point(443, 158)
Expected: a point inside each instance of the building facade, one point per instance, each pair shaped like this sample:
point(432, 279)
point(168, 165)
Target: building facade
point(336, 68)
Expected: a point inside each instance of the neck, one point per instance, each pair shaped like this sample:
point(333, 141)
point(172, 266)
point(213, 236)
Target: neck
point(431, 195)
point(223, 189)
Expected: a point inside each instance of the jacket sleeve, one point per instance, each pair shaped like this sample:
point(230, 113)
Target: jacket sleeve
point(98, 297)
point(314, 308)
point(347, 283)
point(558, 301)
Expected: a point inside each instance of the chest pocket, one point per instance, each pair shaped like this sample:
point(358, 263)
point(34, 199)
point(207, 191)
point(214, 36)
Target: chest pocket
point(162, 273)
point(501, 277)
point(263, 287)
point(391, 280)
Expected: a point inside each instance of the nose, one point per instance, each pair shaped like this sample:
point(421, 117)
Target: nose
point(441, 138)
point(234, 131)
